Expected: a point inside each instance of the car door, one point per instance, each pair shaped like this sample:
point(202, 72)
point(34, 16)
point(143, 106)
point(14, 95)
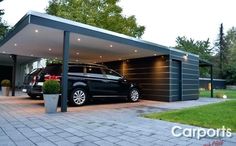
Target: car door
point(116, 84)
point(96, 81)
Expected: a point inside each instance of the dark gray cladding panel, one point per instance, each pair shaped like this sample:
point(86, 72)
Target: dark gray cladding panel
point(190, 76)
point(158, 76)
point(180, 54)
point(150, 73)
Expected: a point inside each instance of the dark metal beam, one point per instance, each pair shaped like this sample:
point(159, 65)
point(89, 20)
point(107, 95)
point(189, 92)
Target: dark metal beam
point(212, 86)
point(64, 84)
point(14, 58)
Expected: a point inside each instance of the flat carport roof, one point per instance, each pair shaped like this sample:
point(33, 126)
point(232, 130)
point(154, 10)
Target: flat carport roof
point(41, 35)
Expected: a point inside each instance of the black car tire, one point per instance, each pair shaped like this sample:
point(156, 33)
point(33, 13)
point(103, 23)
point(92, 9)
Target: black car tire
point(134, 95)
point(78, 97)
point(33, 96)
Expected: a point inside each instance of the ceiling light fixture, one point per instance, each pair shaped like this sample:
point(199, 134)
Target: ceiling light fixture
point(77, 53)
point(32, 55)
point(111, 46)
point(101, 57)
point(77, 60)
point(3, 52)
point(155, 54)
point(36, 30)
point(15, 44)
point(78, 39)
point(50, 49)
point(135, 51)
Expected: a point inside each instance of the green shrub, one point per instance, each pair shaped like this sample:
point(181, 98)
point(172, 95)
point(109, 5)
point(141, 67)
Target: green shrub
point(51, 87)
point(5, 83)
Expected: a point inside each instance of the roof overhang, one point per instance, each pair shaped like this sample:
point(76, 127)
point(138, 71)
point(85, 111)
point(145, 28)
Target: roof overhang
point(204, 63)
point(6, 60)
point(41, 35)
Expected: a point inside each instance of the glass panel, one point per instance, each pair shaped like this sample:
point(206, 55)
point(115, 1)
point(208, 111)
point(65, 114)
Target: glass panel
point(111, 74)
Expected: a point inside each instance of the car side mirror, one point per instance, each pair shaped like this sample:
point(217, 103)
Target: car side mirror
point(123, 79)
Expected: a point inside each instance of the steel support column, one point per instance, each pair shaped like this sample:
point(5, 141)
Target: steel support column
point(14, 58)
point(64, 84)
point(212, 86)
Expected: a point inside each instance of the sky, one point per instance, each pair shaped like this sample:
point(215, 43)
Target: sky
point(164, 20)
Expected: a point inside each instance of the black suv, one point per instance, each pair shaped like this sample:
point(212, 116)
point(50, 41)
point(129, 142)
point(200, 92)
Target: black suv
point(85, 81)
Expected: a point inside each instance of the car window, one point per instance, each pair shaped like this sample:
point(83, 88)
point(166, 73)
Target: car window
point(111, 74)
point(94, 72)
point(76, 69)
point(53, 70)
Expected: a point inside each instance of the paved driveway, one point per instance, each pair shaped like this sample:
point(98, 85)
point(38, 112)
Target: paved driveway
point(23, 122)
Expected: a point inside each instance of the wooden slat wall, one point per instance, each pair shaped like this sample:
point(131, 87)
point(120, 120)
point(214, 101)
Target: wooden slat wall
point(175, 87)
point(151, 74)
point(190, 76)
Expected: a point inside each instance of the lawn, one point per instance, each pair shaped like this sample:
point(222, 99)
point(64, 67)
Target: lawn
point(208, 116)
point(229, 93)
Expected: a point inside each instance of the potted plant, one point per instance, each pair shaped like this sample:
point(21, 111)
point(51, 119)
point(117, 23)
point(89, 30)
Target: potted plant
point(51, 90)
point(5, 87)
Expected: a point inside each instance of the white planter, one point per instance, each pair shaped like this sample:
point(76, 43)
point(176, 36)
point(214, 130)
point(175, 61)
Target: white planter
point(50, 102)
point(5, 91)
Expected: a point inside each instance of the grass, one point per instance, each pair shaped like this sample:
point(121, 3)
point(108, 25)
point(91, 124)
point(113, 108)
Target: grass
point(229, 93)
point(208, 116)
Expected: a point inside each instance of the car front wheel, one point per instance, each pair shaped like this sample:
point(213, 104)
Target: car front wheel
point(134, 95)
point(78, 97)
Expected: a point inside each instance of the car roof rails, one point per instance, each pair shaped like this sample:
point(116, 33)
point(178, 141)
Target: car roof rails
point(88, 64)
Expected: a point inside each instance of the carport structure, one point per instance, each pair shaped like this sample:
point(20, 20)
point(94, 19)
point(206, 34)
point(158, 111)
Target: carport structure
point(45, 36)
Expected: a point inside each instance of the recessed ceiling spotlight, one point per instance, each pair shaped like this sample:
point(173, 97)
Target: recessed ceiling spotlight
point(15, 44)
point(77, 53)
point(77, 60)
point(3, 52)
point(135, 51)
point(78, 39)
point(32, 55)
point(36, 30)
point(111, 46)
point(50, 49)
point(155, 54)
point(120, 59)
point(101, 57)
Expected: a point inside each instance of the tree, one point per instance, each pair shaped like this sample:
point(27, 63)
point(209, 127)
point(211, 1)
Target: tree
point(222, 51)
point(229, 72)
point(230, 40)
point(105, 14)
point(200, 48)
point(3, 25)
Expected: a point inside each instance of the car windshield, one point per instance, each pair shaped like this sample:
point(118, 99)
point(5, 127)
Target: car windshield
point(35, 70)
point(111, 74)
